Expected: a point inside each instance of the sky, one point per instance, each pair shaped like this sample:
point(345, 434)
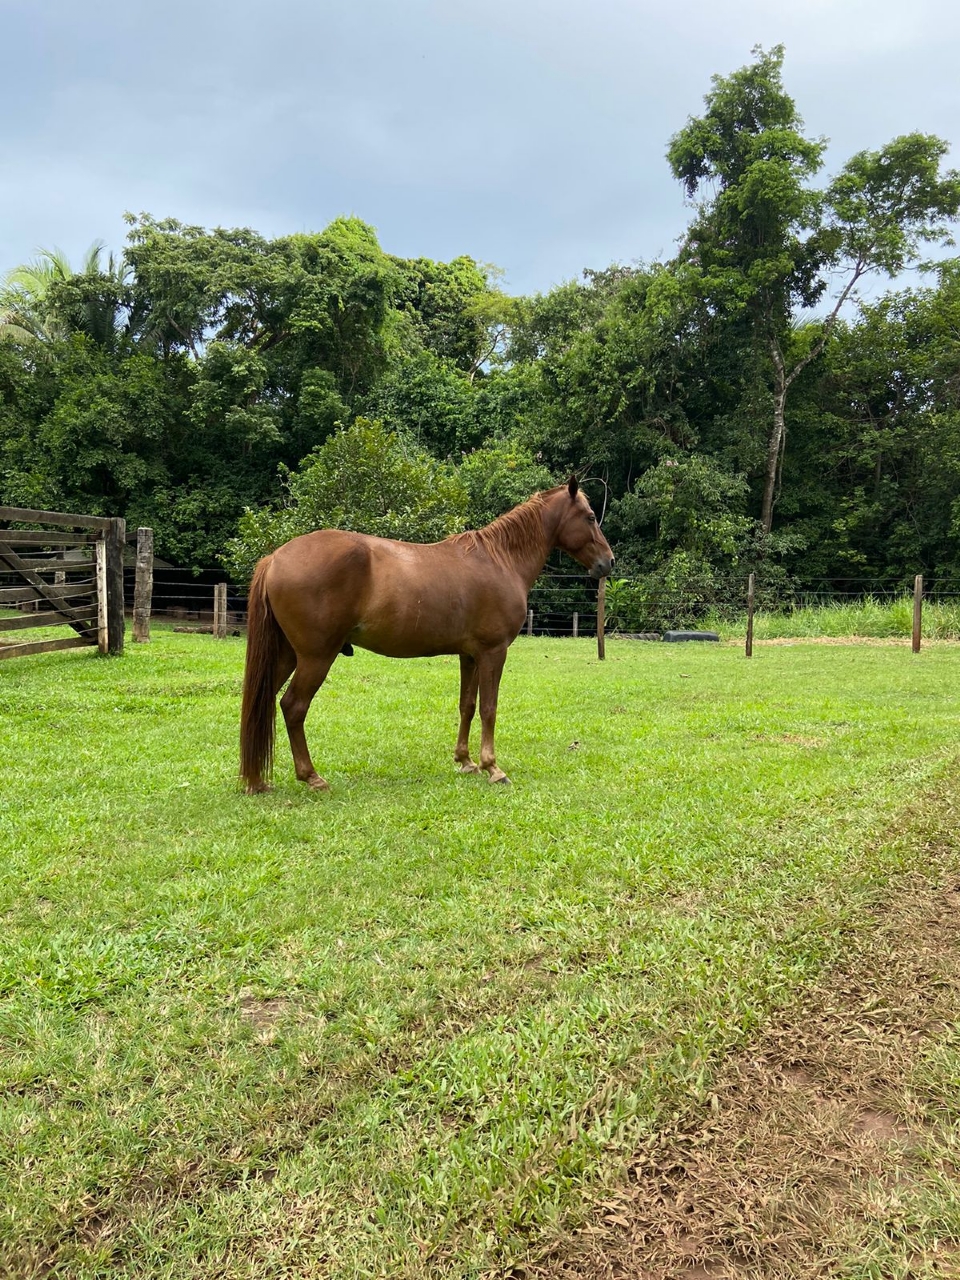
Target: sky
point(529, 134)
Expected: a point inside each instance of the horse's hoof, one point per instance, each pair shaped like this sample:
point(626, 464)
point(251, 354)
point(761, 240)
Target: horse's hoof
point(469, 767)
point(502, 777)
point(316, 783)
point(257, 788)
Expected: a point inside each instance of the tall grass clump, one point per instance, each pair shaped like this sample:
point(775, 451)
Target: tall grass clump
point(870, 617)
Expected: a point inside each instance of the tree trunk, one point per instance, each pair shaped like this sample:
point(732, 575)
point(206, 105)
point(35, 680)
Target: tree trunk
point(774, 450)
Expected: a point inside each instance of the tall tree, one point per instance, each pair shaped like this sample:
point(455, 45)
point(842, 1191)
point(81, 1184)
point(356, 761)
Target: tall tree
point(768, 244)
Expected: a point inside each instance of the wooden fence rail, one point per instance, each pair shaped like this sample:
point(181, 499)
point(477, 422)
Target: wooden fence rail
point(39, 563)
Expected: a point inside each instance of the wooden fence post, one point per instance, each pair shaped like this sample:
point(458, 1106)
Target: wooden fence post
point(100, 550)
point(115, 540)
point(917, 611)
point(601, 619)
point(750, 595)
point(220, 610)
point(143, 587)
point(576, 624)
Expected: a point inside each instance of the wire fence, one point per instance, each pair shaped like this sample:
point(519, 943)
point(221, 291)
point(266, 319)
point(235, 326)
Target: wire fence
point(565, 604)
point(559, 604)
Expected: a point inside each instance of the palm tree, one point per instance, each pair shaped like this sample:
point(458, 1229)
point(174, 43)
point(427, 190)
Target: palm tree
point(26, 314)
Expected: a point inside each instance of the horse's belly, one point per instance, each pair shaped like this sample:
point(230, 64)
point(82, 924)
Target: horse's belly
point(420, 640)
point(423, 629)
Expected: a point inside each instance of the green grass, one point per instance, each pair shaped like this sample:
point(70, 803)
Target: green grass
point(870, 617)
point(403, 1029)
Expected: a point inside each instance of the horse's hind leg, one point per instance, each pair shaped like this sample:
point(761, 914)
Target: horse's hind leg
point(295, 703)
point(469, 683)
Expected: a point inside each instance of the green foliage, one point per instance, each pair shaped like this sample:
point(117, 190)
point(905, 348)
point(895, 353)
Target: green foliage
point(228, 397)
point(32, 309)
point(692, 504)
point(444, 303)
point(681, 527)
point(100, 441)
point(886, 204)
point(497, 477)
point(427, 398)
point(680, 592)
point(767, 244)
point(752, 242)
point(363, 478)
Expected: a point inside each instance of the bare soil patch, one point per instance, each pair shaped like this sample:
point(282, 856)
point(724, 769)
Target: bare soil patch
point(816, 1142)
point(263, 1013)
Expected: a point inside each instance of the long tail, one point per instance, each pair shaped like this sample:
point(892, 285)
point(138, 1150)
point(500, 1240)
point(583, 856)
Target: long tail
point(259, 684)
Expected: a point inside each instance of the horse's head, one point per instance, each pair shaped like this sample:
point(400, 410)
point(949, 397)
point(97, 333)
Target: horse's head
point(578, 532)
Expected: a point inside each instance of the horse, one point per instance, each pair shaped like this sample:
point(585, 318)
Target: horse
point(320, 594)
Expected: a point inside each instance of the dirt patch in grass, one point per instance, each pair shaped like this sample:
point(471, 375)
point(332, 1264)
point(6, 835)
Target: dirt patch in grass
point(816, 1152)
point(263, 1013)
point(789, 739)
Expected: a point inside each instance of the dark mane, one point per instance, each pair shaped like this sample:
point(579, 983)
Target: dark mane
point(512, 534)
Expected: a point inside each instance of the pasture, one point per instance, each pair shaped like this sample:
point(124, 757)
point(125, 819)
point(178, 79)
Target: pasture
point(421, 1025)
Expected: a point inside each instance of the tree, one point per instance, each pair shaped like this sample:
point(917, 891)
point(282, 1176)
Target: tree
point(456, 310)
point(363, 478)
point(430, 400)
point(769, 246)
point(892, 466)
point(498, 476)
point(26, 293)
point(99, 441)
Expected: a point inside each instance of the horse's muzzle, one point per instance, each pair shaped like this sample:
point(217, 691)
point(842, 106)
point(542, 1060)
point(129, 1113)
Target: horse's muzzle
point(602, 569)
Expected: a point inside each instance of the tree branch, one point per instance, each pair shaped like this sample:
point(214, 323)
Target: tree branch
point(859, 271)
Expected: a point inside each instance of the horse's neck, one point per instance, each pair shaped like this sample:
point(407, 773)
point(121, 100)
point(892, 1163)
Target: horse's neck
point(530, 556)
point(530, 565)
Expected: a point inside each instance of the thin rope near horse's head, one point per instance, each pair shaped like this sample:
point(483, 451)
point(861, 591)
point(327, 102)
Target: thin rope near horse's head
point(606, 492)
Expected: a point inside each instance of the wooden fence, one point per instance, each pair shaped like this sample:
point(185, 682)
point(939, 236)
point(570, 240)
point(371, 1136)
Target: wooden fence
point(72, 576)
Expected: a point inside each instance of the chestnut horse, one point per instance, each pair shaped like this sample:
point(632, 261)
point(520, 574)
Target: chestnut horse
point(318, 595)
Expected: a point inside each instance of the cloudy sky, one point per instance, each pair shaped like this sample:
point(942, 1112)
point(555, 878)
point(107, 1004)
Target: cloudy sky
point(527, 133)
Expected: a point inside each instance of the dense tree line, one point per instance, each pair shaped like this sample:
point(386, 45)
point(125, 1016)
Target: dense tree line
point(737, 407)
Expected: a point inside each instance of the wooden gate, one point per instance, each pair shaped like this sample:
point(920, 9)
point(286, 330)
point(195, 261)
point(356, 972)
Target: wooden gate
point(70, 577)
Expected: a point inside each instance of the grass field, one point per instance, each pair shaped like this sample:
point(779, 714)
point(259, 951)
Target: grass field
point(415, 1026)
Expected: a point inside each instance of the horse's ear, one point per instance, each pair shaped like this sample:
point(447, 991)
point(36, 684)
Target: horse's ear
point(573, 486)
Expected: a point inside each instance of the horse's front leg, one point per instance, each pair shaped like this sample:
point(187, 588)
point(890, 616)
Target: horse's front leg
point(295, 703)
point(491, 668)
point(469, 682)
